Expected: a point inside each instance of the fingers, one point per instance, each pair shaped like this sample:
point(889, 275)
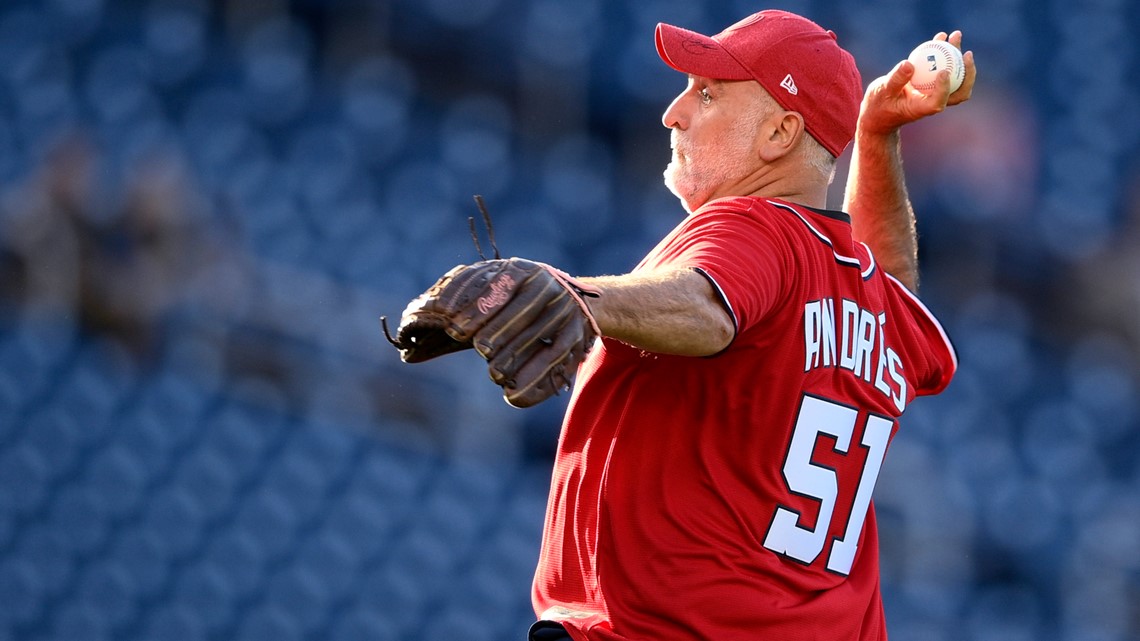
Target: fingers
point(967, 89)
point(963, 93)
point(899, 76)
point(892, 102)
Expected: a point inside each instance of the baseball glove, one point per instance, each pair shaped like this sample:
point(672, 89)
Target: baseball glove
point(527, 319)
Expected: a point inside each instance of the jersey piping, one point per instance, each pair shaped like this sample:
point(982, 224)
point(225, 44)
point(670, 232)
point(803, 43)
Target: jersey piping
point(847, 261)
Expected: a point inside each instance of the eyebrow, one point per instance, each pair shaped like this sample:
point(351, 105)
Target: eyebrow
point(711, 82)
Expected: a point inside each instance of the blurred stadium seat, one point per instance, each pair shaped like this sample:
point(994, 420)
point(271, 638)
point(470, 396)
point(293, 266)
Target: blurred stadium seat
point(205, 206)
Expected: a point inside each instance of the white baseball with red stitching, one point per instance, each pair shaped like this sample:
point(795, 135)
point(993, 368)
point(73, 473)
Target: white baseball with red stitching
point(931, 57)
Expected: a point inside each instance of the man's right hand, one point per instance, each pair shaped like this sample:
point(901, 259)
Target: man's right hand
point(891, 102)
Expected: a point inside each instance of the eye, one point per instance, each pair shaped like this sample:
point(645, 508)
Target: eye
point(706, 97)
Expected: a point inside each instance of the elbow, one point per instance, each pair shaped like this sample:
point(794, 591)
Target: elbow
point(721, 334)
point(717, 333)
point(704, 336)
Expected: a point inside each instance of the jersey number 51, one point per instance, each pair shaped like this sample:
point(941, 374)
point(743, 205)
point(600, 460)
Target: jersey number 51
point(785, 535)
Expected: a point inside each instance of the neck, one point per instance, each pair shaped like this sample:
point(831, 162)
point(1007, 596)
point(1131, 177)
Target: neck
point(800, 187)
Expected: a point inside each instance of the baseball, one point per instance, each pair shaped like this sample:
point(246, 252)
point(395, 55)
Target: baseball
point(931, 57)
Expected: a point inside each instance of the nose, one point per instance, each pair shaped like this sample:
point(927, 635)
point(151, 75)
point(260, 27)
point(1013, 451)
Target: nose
point(676, 116)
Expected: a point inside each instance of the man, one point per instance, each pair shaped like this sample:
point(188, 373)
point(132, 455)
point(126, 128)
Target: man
point(715, 467)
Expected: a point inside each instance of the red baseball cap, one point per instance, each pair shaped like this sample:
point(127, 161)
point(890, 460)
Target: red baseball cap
point(797, 61)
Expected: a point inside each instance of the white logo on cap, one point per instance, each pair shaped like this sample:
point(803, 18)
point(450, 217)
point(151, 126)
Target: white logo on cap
point(790, 84)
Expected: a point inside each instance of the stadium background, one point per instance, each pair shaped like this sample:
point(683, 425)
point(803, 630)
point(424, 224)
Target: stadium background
point(206, 206)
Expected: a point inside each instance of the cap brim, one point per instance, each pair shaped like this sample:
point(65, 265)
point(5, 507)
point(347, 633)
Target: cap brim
point(697, 54)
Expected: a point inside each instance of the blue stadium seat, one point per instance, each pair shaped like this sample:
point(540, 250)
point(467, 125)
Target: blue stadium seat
point(205, 593)
point(362, 624)
point(394, 475)
point(238, 441)
point(78, 511)
point(176, 519)
point(237, 560)
point(143, 558)
point(57, 438)
point(329, 561)
point(108, 588)
point(144, 436)
point(397, 594)
point(298, 480)
point(377, 99)
point(1013, 612)
point(269, 521)
point(172, 405)
point(276, 61)
point(90, 396)
point(209, 480)
point(21, 592)
point(25, 479)
point(176, 37)
point(11, 400)
point(364, 520)
point(495, 591)
point(429, 552)
point(174, 621)
point(116, 88)
point(118, 477)
point(269, 622)
point(81, 621)
point(453, 620)
point(190, 494)
point(302, 594)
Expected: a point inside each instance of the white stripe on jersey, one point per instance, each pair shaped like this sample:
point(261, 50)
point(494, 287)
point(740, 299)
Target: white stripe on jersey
point(870, 259)
point(846, 260)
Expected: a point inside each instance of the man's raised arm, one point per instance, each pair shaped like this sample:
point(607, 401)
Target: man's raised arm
point(876, 195)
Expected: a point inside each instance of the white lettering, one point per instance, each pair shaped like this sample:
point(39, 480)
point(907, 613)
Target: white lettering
point(881, 384)
point(828, 344)
point(864, 344)
point(896, 375)
point(850, 319)
point(812, 329)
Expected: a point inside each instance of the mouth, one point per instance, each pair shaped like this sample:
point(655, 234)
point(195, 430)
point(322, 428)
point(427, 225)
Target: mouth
point(677, 147)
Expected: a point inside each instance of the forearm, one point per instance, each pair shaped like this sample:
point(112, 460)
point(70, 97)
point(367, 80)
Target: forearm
point(670, 312)
point(881, 212)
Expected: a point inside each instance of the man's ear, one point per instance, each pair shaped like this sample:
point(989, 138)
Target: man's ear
point(783, 130)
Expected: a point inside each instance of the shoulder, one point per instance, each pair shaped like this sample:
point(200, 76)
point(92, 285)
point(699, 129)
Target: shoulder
point(747, 206)
point(771, 211)
point(746, 214)
point(730, 223)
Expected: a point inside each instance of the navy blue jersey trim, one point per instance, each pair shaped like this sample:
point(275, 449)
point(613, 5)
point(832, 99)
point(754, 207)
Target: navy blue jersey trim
point(723, 301)
point(846, 261)
point(831, 213)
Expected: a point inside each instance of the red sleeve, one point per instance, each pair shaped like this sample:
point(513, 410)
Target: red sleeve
point(935, 347)
point(740, 252)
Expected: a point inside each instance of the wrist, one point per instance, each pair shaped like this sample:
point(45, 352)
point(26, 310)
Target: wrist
point(886, 138)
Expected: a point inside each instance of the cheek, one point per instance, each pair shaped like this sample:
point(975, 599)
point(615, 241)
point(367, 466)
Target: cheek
point(713, 130)
point(705, 139)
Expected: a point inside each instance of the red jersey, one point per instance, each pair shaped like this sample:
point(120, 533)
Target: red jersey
point(729, 497)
